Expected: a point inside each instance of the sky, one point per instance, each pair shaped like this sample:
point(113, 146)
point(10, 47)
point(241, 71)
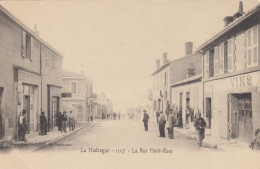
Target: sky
point(116, 42)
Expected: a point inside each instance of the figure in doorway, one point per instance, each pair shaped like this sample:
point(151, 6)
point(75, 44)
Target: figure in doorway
point(22, 126)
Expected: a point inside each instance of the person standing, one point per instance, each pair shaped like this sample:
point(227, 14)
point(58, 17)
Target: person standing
point(171, 122)
point(22, 126)
point(43, 124)
point(161, 122)
point(255, 145)
point(59, 121)
point(200, 125)
point(64, 119)
point(145, 120)
point(71, 121)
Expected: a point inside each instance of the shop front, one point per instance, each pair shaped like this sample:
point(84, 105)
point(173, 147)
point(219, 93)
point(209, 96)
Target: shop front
point(28, 94)
point(234, 110)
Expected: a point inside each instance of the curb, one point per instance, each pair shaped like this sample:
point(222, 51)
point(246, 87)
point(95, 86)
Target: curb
point(61, 138)
point(46, 143)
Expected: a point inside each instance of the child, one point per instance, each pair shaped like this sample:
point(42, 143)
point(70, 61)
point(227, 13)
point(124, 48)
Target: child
point(255, 145)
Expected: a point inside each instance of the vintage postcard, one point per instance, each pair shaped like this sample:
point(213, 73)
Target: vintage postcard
point(130, 84)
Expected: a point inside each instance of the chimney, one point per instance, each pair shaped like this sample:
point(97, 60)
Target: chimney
point(35, 30)
point(240, 11)
point(188, 48)
point(165, 58)
point(240, 8)
point(191, 70)
point(157, 64)
point(228, 20)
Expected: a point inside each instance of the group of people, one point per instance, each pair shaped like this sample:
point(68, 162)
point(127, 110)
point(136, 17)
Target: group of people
point(172, 119)
point(61, 122)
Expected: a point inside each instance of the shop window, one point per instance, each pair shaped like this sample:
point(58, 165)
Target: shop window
point(74, 88)
point(251, 47)
point(26, 45)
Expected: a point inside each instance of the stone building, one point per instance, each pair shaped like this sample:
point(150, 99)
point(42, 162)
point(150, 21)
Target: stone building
point(77, 90)
point(231, 76)
point(24, 76)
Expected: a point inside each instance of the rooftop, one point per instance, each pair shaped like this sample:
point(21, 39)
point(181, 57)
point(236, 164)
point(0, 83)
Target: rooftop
point(188, 80)
point(236, 22)
point(23, 26)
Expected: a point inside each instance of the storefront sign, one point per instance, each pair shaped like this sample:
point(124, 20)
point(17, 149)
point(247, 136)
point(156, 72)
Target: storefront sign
point(241, 81)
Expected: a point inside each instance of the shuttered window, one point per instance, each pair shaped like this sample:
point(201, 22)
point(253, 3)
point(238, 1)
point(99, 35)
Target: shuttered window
point(251, 47)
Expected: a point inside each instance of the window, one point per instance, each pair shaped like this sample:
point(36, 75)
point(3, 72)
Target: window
point(74, 88)
point(225, 57)
point(26, 45)
point(251, 46)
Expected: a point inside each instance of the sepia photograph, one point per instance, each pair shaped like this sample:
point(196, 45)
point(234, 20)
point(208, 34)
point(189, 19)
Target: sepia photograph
point(129, 84)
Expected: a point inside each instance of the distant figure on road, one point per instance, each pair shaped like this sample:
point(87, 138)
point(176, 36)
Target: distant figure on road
point(145, 120)
point(200, 125)
point(114, 115)
point(64, 120)
point(171, 123)
point(161, 122)
point(119, 116)
point(255, 145)
point(43, 124)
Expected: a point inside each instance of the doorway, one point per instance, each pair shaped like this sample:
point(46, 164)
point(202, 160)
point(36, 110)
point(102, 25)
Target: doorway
point(241, 117)
point(208, 113)
point(55, 109)
point(26, 107)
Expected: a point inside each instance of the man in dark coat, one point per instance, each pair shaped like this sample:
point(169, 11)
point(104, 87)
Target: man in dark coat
point(171, 122)
point(200, 125)
point(22, 126)
point(145, 120)
point(43, 124)
point(161, 122)
point(64, 121)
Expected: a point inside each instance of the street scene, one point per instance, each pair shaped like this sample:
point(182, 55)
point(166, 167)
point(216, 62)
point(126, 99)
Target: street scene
point(106, 79)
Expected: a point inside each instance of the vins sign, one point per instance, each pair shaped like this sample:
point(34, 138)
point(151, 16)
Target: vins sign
point(241, 81)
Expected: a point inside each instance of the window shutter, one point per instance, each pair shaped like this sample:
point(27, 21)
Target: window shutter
point(221, 54)
point(230, 55)
point(216, 61)
point(23, 45)
point(32, 48)
point(207, 65)
point(245, 49)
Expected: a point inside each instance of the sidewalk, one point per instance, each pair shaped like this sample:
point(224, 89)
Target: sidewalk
point(213, 142)
point(210, 141)
point(51, 137)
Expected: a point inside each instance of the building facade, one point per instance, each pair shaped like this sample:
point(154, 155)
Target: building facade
point(186, 87)
point(79, 88)
point(22, 75)
point(161, 85)
point(231, 77)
